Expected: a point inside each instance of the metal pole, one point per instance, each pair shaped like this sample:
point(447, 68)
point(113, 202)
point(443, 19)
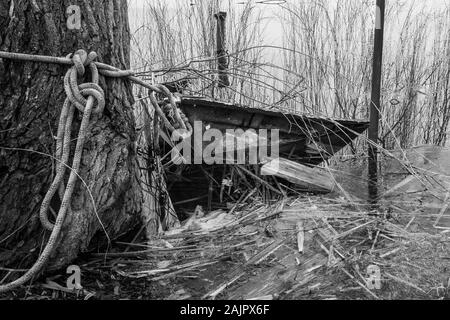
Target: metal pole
point(221, 50)
point(375, 105)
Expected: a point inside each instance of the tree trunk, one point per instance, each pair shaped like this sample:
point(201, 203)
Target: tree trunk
point(31, 98)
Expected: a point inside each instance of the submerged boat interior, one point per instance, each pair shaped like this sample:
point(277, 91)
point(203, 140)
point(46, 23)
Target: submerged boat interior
point(303, 139)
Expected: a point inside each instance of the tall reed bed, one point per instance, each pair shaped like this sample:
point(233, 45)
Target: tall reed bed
point(321, 66)
point(332, 45)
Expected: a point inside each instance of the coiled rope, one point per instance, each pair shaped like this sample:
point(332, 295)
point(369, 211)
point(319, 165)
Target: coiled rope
point(178, 115)
point(75, 99)
point(82, 97)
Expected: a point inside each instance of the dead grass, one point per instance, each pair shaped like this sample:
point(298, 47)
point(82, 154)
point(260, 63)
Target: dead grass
point(253, 254)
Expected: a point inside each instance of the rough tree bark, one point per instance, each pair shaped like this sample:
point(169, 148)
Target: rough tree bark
point(31, 97)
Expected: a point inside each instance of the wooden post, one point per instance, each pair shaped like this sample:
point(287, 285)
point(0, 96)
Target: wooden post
point(375, 104)
point(222, 58)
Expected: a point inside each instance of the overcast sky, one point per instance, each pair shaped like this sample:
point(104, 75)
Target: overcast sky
point(272, 12)
point(140, 3)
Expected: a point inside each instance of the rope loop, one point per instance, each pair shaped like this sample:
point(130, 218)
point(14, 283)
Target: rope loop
point(77, 94)
point(82, 97)
point(173, 104)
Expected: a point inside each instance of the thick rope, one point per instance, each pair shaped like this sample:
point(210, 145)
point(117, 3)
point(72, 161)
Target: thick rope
point(104, 69)
point(75, 99)
point(173, 104)
point(107, 71)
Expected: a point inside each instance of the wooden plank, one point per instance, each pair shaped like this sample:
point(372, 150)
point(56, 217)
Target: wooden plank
point(314, 179)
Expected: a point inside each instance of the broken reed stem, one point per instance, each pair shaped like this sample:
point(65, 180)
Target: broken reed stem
point(404, 282)
point(360, 284)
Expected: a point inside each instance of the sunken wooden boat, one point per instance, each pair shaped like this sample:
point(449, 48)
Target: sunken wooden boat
point(304, 139)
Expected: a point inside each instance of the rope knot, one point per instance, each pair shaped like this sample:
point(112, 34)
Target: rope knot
point(78, 94)
point(81, 60)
